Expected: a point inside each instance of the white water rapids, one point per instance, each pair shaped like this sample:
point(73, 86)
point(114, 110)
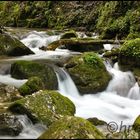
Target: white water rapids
point(108, 105)
point(119, 102)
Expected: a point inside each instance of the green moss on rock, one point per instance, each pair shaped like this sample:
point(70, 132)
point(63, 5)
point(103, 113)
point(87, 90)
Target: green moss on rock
point(32, 85)
point(130, 53)
point(12, 47)
point(72, 128)
point(136, 125)
point(45, 106)
point(26, 69)
point(88, 73)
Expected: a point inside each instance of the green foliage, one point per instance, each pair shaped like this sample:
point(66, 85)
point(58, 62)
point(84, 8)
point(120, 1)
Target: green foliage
point(130, 53)
point(133, 36)
point(114, 21)
point(108, 18)
point(131, 48)
point(92, 59)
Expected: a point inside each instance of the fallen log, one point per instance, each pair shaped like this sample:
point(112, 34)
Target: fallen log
point(82, 44)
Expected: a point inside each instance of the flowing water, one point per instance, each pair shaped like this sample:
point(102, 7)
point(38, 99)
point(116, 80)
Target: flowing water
point(108, 105)
point(119, 102)
point(30, 131)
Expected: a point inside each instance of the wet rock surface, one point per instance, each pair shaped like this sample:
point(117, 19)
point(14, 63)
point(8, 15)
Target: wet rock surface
point(9, 125)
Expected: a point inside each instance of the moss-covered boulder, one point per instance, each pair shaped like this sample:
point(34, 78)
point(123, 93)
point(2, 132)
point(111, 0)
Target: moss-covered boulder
point(69, 34)
point(12, 47)
point(72, 128)
point(10, 125)
point(32, 85)
point(44, 106)
point(88, 72)
point(26, 69)
point(130, 53)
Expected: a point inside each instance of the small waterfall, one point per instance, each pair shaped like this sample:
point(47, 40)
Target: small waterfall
point(66, 84)
point(108, 47)
point(30, 131)
point(116, 66)
point(122, 82)
point(134, 92)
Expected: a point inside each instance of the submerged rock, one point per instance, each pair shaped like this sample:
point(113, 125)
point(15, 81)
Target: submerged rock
point(9, 125)
point(45, 106)
point(26, 69)
point(12, 47)
point(88, 73)
point(32, 85)
point(72, 128)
